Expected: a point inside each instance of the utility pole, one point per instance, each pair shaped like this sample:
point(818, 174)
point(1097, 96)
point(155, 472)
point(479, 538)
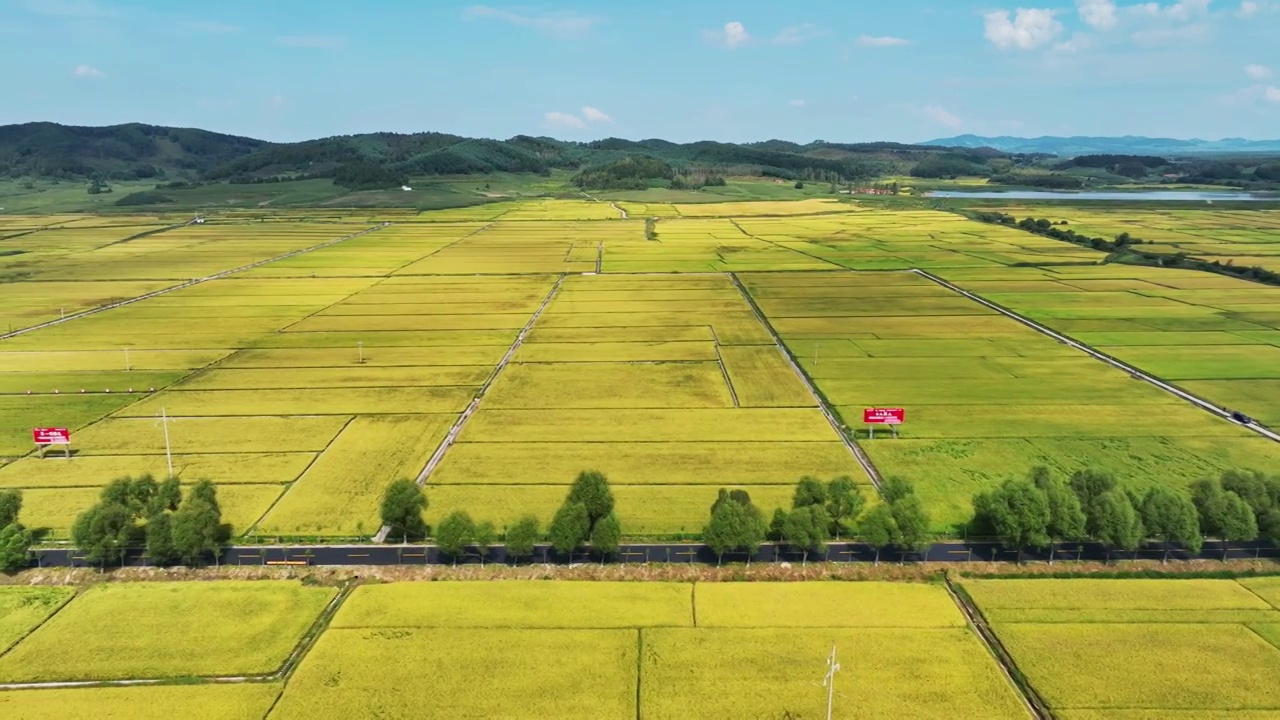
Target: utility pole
point(828, 681)
point(168, 454)
point(127, 366)
point(360, 349)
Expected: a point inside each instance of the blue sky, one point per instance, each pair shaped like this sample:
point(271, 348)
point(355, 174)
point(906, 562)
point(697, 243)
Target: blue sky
point(850, 70)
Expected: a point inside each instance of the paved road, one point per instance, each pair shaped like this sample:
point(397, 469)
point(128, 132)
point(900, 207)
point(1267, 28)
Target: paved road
point(958, 551)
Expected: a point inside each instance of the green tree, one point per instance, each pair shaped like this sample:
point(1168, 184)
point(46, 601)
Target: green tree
point(522, 537)
point(1269, 526)
point(570, 527)
point(1251, 486)
point(168, 496)
point(894, 488)
point(10, 507)
point(1170, 517)
point(776, 524)
point(403, 503)
point(809, 491)
point(160, 549)
point(736, 525)
point(1117, 524)
point(1066, 517)
point(485, 536)
point(1018, 511)
point(103, 532)
point(807, 529)
point(15, 547)
point(591, 490)
point(1089, 486)
point(455, 533)
point(1237, 522)
point(196, 528)
point(879, 530)
point(844, 503)
point(1210, 502)
point(913, 523)
point(606, 536)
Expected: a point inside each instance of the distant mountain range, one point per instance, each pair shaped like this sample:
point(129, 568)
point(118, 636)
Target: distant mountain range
point(1125, 145)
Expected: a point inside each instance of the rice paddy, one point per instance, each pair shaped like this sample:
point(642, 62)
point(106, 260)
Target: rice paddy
point(306, 383)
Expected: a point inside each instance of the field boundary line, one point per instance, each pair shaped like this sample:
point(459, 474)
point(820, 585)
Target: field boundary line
point(458, 424)
point(392, 273)
point(1031, 699)
point(188, 283)
point(727, 380)
point(1099, 355)
point(288, 487)
point(858, 453)
point(639, 670)
point(836, 266)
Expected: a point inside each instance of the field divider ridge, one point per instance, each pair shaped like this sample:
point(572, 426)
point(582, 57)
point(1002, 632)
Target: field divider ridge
point(189, 283)
point(728, 381)
point(858, 453)
point(1099, 355)
point(1031, 699)
point(458, 424)
point(835, 266)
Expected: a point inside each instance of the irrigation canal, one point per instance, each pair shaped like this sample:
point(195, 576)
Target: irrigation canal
point(354, 555)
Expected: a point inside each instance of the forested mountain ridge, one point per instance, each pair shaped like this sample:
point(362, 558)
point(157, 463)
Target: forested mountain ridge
point(1124, 145)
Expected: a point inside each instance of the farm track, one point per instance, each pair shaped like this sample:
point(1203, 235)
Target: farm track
point(859, 454)
point(290, 663)
point(1099, 355)
point(1034, 704)
point(187, 284)
point(445, 444)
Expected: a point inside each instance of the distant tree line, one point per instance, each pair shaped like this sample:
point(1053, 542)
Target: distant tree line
point(15, 540)
point(1043, 510)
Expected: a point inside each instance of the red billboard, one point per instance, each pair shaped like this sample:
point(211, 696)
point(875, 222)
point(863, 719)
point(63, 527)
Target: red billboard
point(51, 436)
point(884, 416)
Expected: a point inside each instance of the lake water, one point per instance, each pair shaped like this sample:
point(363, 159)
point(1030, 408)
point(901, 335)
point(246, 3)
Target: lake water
point(1149, 195)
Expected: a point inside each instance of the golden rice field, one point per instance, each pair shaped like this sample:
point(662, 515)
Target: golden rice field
point(1142, 648)
point(305, 384)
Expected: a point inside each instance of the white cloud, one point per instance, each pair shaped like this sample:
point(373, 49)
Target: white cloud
point(87, 71)
point(881, 41)
point(594, 115)
point(312, 42)
point(943, 117)
point(1100, 14)
point(1182, 10)
point(733, 35)
point(1077, 43)
point(1177, 35)
point(1257, 72)
point(1248, 9)
point(798, 103)
point(564, 120)
point(558, 24)
point(1028, 29)
point(798, 35)
point(1272, 94)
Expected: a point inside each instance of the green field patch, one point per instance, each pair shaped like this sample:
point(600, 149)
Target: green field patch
point(1267, 588)
point(340, 492)
point(1087, 594)
point(1053, 421)
point(934, 672)
point(141, 360)
point(641, 334)
point(730, 302)
point(642, 509)
point(373, 357)
point(145, 436)
point(519, 604)
point(654, 425)
point(609, 385)
point(98, 470)
point(56, 509)
point(355, 376)
point(678, 463)
point(238, 701)
point(854, 307)
point(846, 604)
point(1173, 338)
point(762, 377)
point(1216, 362)
point(548, 352)
point(22, 609)
point(20, 413)
point(446, 307)
point(347, 674)
point(888, 370)
point(576, 293)
point(903, 327)
point(20, 383)
point(1084, 665)
point(229, 628)
point(919, 348)
point(1103, 390)
point(366, 323)
point(333, 401)
point(386, 338)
